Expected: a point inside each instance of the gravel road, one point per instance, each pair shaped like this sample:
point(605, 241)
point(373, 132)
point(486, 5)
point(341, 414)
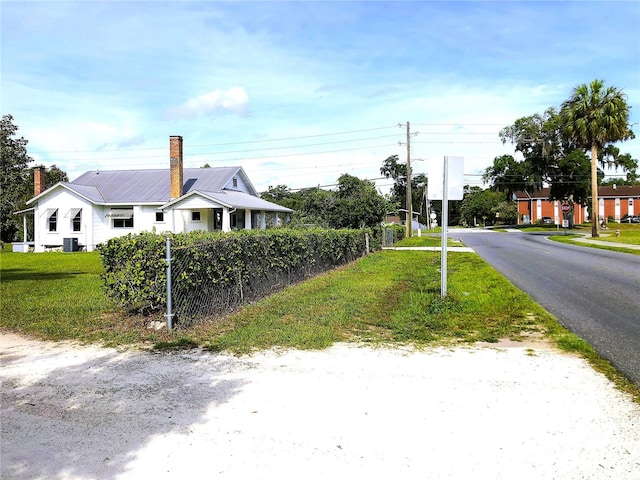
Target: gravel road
point(526, 412)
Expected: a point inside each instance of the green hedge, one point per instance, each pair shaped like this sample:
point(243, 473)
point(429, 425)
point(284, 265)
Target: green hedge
point(214, 272)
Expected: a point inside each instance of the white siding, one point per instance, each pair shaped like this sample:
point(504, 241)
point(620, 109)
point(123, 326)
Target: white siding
point(63, 201)
point(144, 220)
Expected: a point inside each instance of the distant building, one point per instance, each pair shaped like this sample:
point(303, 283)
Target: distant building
point(614, 202)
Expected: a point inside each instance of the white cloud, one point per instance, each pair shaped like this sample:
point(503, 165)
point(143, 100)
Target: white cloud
point(234, 100)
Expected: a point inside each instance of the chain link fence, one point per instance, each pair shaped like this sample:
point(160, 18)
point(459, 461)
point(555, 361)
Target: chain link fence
point(197, 289)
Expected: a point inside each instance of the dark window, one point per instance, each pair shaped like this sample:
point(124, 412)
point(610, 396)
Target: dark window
point(159, 216)
point(235, 182)
point(77, 221)
point(123, 222)
point(53, 221)
point(195, 216)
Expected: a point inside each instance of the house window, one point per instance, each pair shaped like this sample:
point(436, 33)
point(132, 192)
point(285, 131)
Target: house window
point(122, 217)
point(123, 222)
point(53, 221)
point(77, 221)
point(195, 216)
point(159, 216)
point(235, 182)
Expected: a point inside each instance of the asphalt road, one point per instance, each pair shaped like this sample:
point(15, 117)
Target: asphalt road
point(594, 293)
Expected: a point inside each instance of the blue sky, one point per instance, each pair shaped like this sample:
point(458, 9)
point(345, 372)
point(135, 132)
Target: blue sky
point(299, 93)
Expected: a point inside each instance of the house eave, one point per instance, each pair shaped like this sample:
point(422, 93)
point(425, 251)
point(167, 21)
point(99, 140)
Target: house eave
point(66, 187)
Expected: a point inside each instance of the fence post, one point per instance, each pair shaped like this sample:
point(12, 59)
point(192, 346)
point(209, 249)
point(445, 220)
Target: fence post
point(169, 313)
point(366, 242)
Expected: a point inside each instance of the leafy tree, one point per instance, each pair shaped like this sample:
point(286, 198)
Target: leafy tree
point(619, 181)
point(538, 138)
point(570, 180)
point(282, 195)
point(481, 206)
point(510, 176)
point(593, 118)
point(391, 168)
point(506, 213)
point(14, 175)
point(312, 206)
point(357, 204)
point(354, 204)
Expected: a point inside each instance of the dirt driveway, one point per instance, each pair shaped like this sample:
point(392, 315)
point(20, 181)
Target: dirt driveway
point(71, 412)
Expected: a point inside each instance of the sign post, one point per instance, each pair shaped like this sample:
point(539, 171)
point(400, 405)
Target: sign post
point(445, 224)
point(452, 189)
point(565, 208)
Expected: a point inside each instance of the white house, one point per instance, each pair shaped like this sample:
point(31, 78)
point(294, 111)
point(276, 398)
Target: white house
point(100, 205)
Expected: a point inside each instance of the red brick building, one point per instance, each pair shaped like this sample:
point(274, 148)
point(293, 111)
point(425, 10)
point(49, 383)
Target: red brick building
point(614, 203)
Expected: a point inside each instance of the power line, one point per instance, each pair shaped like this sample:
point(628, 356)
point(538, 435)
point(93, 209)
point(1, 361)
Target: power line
point(222, 144)
point(243, 158)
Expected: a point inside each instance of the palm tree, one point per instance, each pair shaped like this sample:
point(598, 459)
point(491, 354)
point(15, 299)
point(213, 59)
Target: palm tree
point(593, 117)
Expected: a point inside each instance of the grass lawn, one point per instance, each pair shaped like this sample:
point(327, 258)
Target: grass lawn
point(385, 298)
point(629, 235)
point(426, 241)
point(58, 296)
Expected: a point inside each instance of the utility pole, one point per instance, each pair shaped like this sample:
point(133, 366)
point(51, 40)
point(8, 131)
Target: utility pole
point(409, 196)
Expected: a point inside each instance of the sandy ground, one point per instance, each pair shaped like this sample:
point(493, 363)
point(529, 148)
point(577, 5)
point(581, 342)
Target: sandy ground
point(347, 412)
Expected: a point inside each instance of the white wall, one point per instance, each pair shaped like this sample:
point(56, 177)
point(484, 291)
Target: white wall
point(63, 201)
point(96, 226)
point(144, 220)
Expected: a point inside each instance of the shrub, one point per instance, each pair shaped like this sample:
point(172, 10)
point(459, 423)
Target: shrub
point(215, 272)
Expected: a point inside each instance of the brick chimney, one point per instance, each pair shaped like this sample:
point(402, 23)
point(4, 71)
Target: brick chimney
point(38, 180)
point(175, 153)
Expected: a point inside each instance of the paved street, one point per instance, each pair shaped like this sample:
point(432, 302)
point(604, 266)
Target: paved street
point(595, 293)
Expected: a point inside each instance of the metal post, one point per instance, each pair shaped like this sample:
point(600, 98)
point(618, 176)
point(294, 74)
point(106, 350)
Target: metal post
point(445, 223)
point(409, 194)
point(169, 313)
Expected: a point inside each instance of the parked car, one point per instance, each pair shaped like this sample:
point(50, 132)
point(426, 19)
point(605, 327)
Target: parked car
point(547, 220)
point(630, 219)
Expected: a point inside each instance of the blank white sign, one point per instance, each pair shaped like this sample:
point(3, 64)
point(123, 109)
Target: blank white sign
point(455, 180)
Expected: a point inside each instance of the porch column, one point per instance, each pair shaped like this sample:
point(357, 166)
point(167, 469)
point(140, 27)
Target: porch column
point(263, 220)
point(247, 219)
point(37, 225)
point(226, 220)
point(276, 219)
point(24, 227)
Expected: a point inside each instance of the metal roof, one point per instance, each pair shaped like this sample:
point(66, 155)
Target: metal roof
point(244, 200)
point(148, 186)
point(121, 187)
point(231, 199)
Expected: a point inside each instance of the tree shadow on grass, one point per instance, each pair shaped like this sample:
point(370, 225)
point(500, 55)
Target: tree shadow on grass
point(18, 274)
point(86, 412)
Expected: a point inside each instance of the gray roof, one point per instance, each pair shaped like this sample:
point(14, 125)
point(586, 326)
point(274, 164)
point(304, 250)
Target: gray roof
point(244, 200)
point(147, 186)
point(153, 187)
